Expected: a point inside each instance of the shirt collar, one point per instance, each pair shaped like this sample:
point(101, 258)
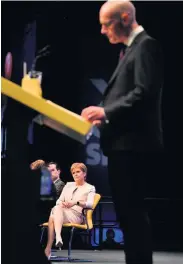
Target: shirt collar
point(133, 35)
point(56, 180)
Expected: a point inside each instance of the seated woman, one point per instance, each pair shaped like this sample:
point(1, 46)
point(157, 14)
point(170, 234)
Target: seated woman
point(75, 196)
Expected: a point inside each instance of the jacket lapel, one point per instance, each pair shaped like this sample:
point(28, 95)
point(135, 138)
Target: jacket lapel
point(121, 62)
point(119, 65)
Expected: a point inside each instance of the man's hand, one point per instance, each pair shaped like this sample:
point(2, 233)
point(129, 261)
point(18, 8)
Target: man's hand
point(37, 164)
point(97, 123)
point(93, 114)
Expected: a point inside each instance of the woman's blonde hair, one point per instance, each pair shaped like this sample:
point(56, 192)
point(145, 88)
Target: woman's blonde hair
point(81, 166)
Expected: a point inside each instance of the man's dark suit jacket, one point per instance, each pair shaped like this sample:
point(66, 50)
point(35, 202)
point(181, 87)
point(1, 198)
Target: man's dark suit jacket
point(57, 188)
point(132, 100)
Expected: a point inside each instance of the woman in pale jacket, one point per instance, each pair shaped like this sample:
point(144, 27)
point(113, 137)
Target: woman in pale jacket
point(75, 196)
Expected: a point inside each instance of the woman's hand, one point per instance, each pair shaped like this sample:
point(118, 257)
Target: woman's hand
point(64, 204)
point(68, 204)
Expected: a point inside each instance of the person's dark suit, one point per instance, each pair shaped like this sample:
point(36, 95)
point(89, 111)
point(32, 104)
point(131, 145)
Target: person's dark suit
point(132, 138)
point(57, 188)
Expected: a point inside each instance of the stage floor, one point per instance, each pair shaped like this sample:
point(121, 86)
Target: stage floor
point(116, 256)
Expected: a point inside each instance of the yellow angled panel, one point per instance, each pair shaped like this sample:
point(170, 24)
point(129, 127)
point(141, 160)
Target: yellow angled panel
point(53, 115)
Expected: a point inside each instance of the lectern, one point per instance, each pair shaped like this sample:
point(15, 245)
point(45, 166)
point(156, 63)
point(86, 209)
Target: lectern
point(50, 114)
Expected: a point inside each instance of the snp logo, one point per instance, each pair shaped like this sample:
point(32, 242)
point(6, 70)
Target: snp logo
point(94, 154)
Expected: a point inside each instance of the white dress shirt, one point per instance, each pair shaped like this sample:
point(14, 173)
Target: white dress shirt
point(133, 35)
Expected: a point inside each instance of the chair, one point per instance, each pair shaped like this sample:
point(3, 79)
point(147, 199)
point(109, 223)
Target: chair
point(87, 225)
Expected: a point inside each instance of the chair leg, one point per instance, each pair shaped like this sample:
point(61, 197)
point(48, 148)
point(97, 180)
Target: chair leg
point(68, 258)
point(42, 233)
point(70, 242)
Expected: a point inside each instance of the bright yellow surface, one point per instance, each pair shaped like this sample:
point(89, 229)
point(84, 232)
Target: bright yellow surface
point(32, 86)
point(30, 95)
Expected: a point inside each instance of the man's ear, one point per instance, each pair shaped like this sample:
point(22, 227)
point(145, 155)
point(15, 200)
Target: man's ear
point(124, 18)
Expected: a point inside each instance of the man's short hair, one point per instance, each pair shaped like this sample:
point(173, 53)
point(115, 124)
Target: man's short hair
point(53, 163)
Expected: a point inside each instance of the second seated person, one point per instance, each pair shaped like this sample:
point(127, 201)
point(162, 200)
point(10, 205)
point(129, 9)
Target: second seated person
point(74, 197)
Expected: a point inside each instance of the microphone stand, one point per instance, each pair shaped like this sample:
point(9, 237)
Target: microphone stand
point(41, 53)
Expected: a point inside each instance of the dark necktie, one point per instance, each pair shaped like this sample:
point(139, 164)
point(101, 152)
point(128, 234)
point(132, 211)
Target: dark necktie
point(122, 52)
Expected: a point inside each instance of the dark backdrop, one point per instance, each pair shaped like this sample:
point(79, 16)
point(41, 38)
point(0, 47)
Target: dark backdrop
point(79, 52)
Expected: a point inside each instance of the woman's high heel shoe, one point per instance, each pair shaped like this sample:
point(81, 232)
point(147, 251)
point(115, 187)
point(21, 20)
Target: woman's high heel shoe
point(59, 244)
point(47, 253)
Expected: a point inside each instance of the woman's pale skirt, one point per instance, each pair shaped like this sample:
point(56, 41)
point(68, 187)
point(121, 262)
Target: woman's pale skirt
point(69, 215)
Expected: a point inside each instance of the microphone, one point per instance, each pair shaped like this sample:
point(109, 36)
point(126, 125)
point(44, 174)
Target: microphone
point(41, 53)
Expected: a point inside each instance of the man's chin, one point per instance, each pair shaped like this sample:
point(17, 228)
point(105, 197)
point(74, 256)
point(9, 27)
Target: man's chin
point(113, 41)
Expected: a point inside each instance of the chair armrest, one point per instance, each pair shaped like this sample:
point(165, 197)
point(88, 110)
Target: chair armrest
point(84, 211)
